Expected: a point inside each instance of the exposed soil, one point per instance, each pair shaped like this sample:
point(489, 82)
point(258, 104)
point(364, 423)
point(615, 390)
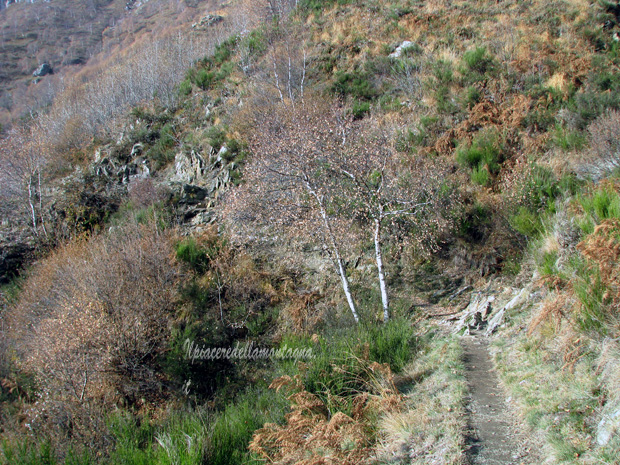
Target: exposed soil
point(495, 437)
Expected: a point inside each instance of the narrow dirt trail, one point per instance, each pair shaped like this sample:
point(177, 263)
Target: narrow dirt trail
point(493, 439)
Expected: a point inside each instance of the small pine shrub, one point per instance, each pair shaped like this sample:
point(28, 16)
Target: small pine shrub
point(256, 42)
point(224, 51)
point(472, 97)
point(443, 72)
point(216, 136)
point(185, 88)
point(203, 78)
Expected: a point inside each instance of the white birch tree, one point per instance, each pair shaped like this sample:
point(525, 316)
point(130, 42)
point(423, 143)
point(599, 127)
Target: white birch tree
point(287, 184)
point(383, 187)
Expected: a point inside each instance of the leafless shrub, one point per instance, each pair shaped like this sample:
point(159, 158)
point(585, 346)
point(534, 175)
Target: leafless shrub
point(24, 170)
point(144, 193)
point(94, 315)
point(603, 158)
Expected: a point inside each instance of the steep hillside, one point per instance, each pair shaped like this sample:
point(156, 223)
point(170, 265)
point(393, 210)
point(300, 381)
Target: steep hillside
point(66, 34)
point(363, 182)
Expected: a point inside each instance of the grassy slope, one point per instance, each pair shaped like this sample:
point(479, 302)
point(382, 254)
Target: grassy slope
point(496, 86)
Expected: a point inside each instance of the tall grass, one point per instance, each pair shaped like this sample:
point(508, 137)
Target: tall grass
point(233, 429)
point(341, 358)
point(198, 436)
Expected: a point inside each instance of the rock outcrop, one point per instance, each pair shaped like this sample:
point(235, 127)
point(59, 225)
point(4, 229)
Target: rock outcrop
point(207, 21)
point(43, 70)
point(15, 250)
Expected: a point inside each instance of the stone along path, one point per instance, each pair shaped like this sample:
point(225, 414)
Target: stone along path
point(493, 439)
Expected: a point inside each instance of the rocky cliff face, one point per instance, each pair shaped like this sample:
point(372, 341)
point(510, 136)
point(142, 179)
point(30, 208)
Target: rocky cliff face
point(16, 248)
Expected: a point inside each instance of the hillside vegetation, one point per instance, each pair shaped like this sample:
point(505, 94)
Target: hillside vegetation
point(310, 176)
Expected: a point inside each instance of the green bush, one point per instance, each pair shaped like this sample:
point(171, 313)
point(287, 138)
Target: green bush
point(477, 64)
point(527, 223)
point(216, 136)
point(602, 204)
point(185, 88)
point(480, 175)
point(224, 51)
point(407, 141)
point(203, 78)
point(472, 97)
point(355, 84)
point(359, 109)
point(483, 156)
point(443, 72)
point(568, 140)
point(162, 150)
point(256, 42)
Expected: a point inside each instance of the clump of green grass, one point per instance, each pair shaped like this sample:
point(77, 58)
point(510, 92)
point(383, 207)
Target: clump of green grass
point(340, 359)
point(233, 428)
point(27, 452)
point(569, 140)
point(482, 156)
point(602, 204)
point(527, 223)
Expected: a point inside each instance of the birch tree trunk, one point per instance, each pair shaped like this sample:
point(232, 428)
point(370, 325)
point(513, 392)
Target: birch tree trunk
point(340, 268)
point(379, 259)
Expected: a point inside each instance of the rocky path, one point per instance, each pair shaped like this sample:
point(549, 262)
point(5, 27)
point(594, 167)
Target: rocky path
point(494, 438)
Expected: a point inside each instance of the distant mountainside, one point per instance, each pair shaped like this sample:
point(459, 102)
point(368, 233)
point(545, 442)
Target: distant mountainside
point(67, 33)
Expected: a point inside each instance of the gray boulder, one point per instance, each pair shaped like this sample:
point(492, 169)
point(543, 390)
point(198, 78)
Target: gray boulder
point(43, 70)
